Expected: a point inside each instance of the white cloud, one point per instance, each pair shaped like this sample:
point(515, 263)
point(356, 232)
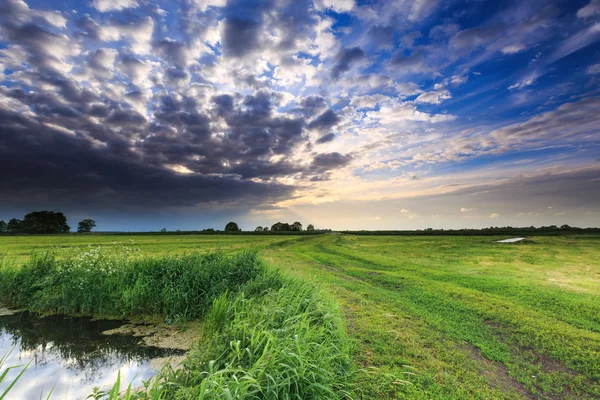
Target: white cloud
point(399, 113)
point(339, 6)
point(404, 211)
point(593, 69)
point(114, 5)
point(579, 40)
point(407, 89)
point(513, 48)
point(464, 209)
point(494, 215)
point(590, 10)
point(139, 34)
point(136, 70)
point(202, 5)
point(54, 18)
point(527, 81)
point(435, 97)
point(370, 101)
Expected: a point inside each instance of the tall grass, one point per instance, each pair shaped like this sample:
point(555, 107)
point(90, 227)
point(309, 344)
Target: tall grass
point(97, 282)
point(278, 338)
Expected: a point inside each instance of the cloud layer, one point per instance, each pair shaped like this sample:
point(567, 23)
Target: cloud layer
point(272, 104)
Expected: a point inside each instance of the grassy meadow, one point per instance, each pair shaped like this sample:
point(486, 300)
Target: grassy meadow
point(433, 317)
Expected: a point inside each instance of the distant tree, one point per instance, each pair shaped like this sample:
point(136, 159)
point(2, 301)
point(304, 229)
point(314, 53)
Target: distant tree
point(296, 226)
point(13, 226)
point(258, 229)
point(265, 229)
point(280, 227)
point(232, 227)
point(45, 222)
point(86, 225)
point(565, 227)
point(163, 230)
point(2, 226)
point(208, 230)
point(310, 227)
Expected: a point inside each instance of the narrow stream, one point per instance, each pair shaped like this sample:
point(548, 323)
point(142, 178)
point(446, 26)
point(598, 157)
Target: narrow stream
point(71, 356)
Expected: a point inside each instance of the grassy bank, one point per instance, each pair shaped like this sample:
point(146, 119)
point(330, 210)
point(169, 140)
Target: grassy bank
point(265, 335)
point(276, 339)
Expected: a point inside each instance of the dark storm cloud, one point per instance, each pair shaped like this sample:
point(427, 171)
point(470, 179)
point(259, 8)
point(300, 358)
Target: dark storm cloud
point(322, 164)
point(324, 121)
point(345, 59)
point(249, 23)
point(171, 50)
point(141, 148)
point(326, 138)
point(241, 36)
point(311, 105)
point(176, 74)
point(65, 170)
point(327, 161)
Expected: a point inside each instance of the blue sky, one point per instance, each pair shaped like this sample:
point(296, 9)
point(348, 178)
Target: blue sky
point(345, 114)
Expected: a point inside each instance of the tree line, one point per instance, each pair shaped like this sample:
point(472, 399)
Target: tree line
point(493, 230)
point(276, 227)
point(44, 222)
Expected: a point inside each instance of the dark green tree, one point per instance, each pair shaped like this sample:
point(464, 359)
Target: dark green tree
point(258, 229)
point(14, 226)
point(2, 226)
point(163, 230)
point(86, 225)
point(265, 229)
point(310, 227)
point(281, 227)
point(45, 222)
point(296, 226)
point(232, 227)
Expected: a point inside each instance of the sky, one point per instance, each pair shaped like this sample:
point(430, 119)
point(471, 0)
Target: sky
point(347, 114)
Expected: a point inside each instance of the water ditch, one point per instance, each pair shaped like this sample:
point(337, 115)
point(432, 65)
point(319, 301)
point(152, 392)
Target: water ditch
point(72, 355)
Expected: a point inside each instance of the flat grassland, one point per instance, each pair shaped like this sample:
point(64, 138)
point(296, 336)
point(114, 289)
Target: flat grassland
point(435, 317)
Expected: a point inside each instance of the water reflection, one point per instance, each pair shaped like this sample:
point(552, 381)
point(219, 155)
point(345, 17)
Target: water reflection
point(71, 355)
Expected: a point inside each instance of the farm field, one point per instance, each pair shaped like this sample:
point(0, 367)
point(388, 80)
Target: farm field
point(433, 317)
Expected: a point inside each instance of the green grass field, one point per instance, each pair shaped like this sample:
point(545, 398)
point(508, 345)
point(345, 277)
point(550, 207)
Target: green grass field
point(434, 317)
